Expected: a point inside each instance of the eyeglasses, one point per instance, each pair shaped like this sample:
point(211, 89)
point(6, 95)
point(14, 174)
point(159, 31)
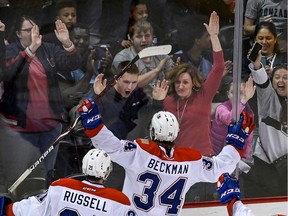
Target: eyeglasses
point(28, 30)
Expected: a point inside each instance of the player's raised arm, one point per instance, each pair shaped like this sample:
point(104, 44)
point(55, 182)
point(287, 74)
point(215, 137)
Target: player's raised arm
point(237, 133)
point(229, 191)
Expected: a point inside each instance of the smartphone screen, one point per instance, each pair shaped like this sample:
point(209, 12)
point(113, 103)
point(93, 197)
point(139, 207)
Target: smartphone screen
point(254, 51)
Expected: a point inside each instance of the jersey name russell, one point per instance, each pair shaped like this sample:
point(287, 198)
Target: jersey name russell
point(84, 200)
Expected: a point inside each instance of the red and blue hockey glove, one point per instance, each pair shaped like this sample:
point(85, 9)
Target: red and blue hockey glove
point(239, 131)
point(90, 114)
point(228, 188)
point(4, 201)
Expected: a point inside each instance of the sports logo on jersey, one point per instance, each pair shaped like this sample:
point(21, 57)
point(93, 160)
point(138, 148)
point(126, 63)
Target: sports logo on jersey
point(207, 163)
point(129, 146)
point(41, 197)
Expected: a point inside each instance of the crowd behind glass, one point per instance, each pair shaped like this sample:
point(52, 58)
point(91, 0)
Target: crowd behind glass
point(62, 59)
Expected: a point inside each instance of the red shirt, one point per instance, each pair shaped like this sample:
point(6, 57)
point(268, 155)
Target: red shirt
point(39, 116)
point(195, 123)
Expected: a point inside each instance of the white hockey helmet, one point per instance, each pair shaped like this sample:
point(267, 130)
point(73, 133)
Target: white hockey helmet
point(164, 127)
point(97, 163)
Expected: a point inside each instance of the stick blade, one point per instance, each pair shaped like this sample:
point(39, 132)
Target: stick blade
point(155, 50)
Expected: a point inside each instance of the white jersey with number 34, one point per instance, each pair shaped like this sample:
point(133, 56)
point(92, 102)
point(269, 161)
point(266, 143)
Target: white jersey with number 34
point(155, 183)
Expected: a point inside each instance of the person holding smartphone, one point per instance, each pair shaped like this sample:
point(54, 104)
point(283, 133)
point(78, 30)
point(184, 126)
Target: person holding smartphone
point(268, 175)
point(265, 35)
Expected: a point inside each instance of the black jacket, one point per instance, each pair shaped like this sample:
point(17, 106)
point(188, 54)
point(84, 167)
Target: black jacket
point(15, 75)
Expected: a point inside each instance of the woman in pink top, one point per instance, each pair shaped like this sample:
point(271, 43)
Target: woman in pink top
point(223, 114)
point(190, 99)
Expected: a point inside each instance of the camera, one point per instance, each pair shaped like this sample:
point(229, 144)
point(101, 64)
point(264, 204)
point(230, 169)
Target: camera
point(99, 51)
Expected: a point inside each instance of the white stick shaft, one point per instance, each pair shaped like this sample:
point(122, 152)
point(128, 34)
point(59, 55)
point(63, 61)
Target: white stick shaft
point(19, 180)
point(29, 170)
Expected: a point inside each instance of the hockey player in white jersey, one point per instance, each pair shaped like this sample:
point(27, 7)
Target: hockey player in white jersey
point(157, 174)
point(229, 191)
point(68, 196)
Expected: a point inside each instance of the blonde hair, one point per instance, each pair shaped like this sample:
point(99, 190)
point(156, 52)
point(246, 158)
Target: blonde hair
point(140, 26)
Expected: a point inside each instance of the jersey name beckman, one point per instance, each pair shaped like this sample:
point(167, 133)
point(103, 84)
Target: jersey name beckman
point(155, 183)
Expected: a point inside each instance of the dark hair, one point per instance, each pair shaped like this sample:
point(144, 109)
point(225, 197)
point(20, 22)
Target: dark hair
point(133, 5)
point(140, 26)
point(225, 86)
point(133, 69)
point(176, 71)
point(270, 27)
point(19, 21)
point(283, 100)
point(65, 3)
point(277, 67)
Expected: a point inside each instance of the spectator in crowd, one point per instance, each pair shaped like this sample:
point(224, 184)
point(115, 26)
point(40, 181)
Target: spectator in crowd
point(76, 84)
point(125, 100)
point(190, 100)
point(223, 114)
point(151, 68)
point(229, 191)
point(11, 141)
point(10, 10)
point(67, 13)
point(265, 33)
point(32, 103)
point(120, 107)
point(268, 11)
point(95, 60)
point(268, 176)
point(139, 11)
point(196, 48)
point(73, 197)
point(157, 174)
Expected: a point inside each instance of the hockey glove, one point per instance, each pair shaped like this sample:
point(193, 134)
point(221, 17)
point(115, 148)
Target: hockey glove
point(90, 115)
point(228, 188)
point(239, 131)
point(4, 201)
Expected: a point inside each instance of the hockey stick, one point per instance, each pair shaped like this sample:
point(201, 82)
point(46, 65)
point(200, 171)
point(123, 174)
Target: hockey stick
point(149, 51)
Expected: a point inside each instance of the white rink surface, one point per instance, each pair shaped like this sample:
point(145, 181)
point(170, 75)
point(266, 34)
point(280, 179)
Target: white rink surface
point(261, 209)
